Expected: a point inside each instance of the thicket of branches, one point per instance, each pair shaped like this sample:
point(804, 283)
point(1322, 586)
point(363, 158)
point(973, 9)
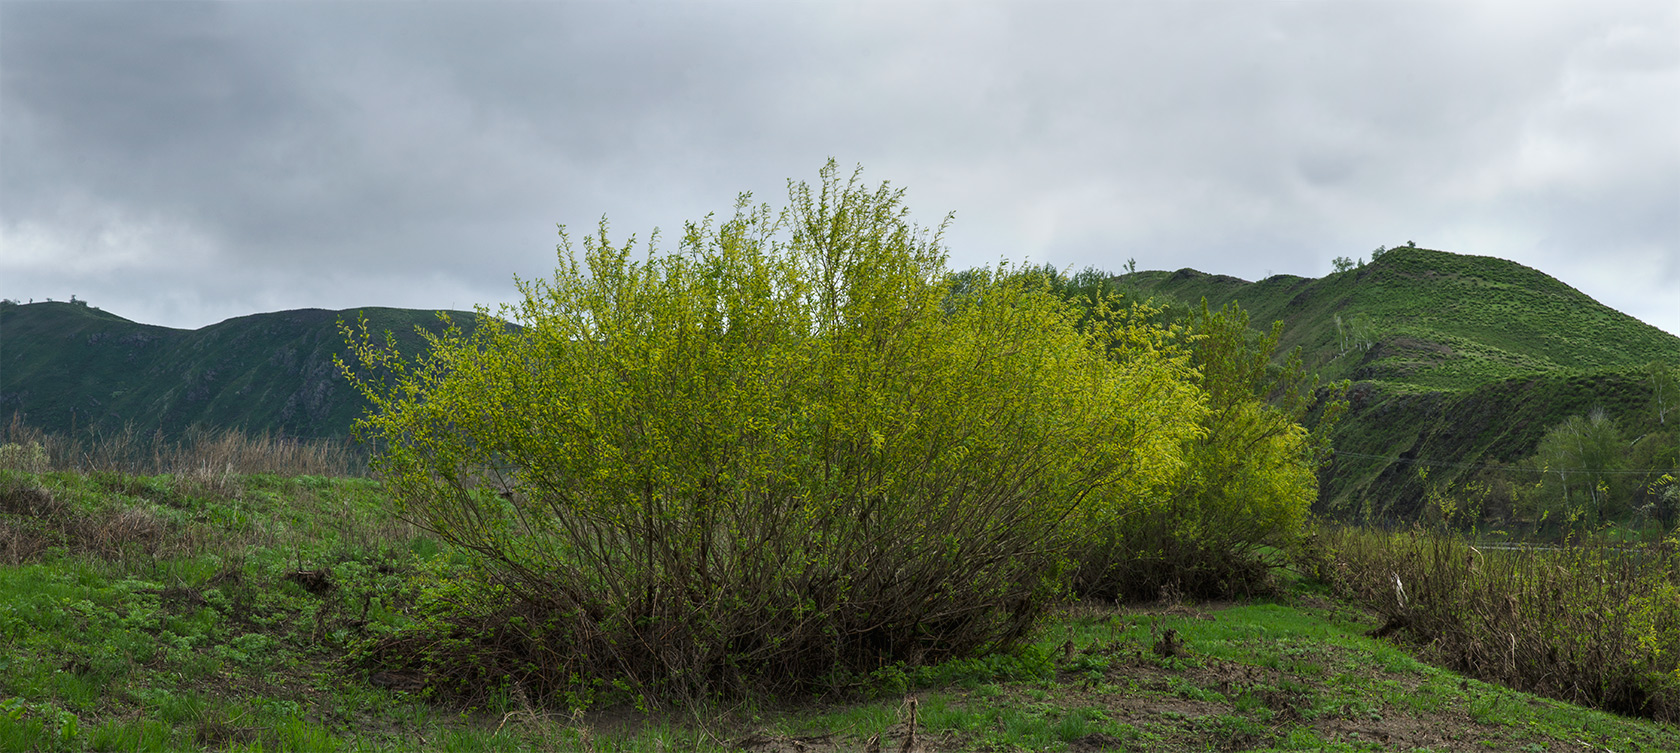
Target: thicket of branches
point(1240, 506)
point(785, 453)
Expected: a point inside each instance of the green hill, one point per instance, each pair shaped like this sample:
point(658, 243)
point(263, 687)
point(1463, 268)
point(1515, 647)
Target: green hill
point(1457, 361)
point(1433, 320)
point(69, 366)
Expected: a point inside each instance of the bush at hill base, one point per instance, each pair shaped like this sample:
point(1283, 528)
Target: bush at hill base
point(1244, 500)
point(784, 455)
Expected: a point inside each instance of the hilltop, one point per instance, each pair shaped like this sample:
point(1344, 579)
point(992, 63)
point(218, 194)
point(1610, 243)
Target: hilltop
point(1432, 320)
point(67, 366)
point(1457, 362)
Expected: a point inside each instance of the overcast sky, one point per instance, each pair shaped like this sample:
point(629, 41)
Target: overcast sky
point(181, 163)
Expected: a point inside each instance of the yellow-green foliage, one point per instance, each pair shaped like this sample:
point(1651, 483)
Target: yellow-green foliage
point(1254, 477)
point(1249, 479)
point(786, 449)
point(1254, 483)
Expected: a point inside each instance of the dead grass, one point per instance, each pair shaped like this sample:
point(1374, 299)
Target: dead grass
point(1592, 625)
point(210, 456)
point(34, 520)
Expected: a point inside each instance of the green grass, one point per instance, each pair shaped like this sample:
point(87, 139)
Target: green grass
point(1293, 675)
point(209, 638)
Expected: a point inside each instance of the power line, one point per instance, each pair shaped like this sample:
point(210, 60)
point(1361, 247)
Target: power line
point(1451, 464)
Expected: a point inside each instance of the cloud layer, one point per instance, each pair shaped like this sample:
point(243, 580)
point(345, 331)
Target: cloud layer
point(181, 163)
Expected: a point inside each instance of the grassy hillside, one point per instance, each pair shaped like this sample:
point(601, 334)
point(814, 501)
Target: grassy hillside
point(1458, 361)
point(67, 366)
point(1393, 446)
point(1432, 320)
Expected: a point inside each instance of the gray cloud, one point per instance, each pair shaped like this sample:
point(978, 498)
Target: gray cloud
point(180, 163)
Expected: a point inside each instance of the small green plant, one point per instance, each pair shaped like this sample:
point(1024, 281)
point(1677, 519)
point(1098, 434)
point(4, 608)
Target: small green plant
point(28, 457)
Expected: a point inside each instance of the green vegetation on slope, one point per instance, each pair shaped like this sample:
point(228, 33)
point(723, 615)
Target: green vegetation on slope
point(1460, 363)
point(67, 366)
point(1393, 449)
point(1431, 320)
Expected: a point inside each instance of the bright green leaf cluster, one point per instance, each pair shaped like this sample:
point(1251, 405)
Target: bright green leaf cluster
point(1249, 478)
point(789, 446)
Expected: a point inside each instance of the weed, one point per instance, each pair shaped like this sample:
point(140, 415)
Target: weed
point(1593, 625)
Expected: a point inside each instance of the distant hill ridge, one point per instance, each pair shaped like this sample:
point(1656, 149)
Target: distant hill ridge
point(1456, 358)
point(70, 365)
point(1432, 319)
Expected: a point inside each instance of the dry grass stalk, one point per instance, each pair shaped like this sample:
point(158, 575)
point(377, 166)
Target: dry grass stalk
point(1590, 625)
point(910, 736)
point(209, 455)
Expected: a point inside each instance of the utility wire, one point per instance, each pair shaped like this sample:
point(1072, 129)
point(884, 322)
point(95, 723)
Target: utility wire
point(1450, 464)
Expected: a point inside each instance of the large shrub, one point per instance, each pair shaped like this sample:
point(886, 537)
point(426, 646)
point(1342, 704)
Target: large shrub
point(787, 452)
point(1244, 498)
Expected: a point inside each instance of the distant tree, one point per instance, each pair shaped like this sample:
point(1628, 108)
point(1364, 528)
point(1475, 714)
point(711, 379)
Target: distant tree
point(966, 283)
point(1089, 289)
point(1244, 501)
point(1411, 244)
point(1580, 454)
point(1665, 388)
point(1131, 266)
point(1356, 332)
point(1342, 263)
point(1378, 252)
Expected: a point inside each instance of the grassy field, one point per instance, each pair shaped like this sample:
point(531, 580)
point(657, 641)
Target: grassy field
point(230, 612)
